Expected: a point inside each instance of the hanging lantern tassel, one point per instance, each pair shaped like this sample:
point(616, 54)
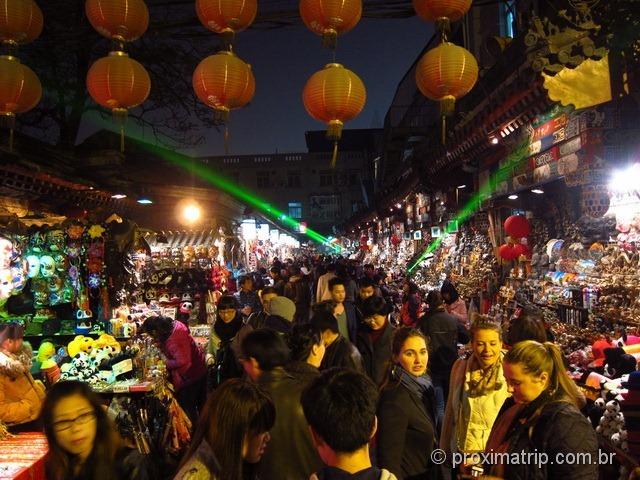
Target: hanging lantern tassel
point(330, 38)
point(8, 120)
point(228, 36)
point(334, 132)
point(447, 107)
point(221, 117)
point(120, 118)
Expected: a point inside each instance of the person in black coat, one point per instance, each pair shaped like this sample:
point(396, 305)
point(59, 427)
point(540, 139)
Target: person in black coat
point(340, 352)
point(406, 412)
point(441, 328)
point(374, 339)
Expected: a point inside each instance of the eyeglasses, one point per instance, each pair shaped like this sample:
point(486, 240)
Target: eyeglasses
point(82, 419)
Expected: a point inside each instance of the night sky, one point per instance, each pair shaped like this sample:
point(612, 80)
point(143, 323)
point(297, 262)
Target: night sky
point(379, 51)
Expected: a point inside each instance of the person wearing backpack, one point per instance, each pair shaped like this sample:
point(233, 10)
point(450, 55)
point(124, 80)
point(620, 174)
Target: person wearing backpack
point(221, 350)
point(340, 407)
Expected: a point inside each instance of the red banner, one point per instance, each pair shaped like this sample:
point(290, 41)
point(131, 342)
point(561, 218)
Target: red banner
point(545, 158)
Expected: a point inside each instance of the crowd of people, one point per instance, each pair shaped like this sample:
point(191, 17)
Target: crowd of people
point(330, 370)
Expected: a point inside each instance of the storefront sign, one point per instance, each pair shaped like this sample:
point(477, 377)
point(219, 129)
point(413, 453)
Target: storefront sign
point(545, 158)
point(571, 146)
point(549, 127)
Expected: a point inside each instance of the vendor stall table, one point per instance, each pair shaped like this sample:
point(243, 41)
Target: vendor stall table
point(23, 456)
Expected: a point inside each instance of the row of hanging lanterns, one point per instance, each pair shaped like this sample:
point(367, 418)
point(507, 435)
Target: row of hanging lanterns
point(117, 82)
point(21, 22)
point(224, 81)
point(335, 94)
point(447, 72)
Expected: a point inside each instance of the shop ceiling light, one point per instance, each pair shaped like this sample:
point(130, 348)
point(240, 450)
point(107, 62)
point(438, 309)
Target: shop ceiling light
point(192, 213)
point(537, 191)
point(118, 196)
point(513, 197)
point(398, 205)
point(494, 140)
point(625, 180)
point(145, 201)
point(461, 186)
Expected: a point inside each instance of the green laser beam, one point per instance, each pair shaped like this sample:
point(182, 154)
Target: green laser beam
point(520, 153)
point(206, 173)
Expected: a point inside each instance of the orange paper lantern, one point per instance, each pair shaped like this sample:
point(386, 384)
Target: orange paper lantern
point(20, 21)
point(226, 17)
point(20, 88)
point(224, 82)
point(434, 10)
point(330, 18)
point(446, 73)
point(334, 95)
point(124, 20)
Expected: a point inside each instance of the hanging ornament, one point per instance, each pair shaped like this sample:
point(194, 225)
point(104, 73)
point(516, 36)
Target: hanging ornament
point(521, 249)
point(226, 17)
point(118, 83)
point(444, 74)
point(595, 200)
point(507, 252)
point(120, 20)
point(330, 18)
point(517, 226)
point(334, 95)
point(224, 82)
point(20, 91)
point(20, 21)
point(442, 12)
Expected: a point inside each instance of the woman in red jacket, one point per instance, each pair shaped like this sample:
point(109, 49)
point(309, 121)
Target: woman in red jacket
point(185, 361)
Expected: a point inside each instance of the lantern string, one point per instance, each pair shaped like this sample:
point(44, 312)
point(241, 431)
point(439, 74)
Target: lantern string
point(226, 139)
point(334, 157)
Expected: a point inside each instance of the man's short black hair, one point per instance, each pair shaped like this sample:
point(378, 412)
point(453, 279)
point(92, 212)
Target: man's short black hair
point(267, 347)
point(366, 282)
point(268, 290)
point(340, 406)
point(375, 306)
point(324, 320)
point(275, 269)
point(336, 281)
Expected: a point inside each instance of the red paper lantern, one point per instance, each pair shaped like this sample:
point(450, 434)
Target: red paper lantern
point(124, 20)
point(20, 21)
point(330, 18)
point(224, 82)
point(226, 16)
point(118, 82)
point(521, 249)
point(507, 252)
point(20, 88)
point(395, 240)
point(433, 10)
point(334, 95)
point(517, 226)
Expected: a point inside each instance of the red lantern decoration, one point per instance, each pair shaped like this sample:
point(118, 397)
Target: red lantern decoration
point(434, 10)
point(334, 95)
point(226, 17)
point(517, 226)
point(123, 20)
point(521, 249)
point(395, 240)
point(20, 21)
point(444, 74)
point(330, 18)
point(20, 91)
point(507, 252)
point(118, 83)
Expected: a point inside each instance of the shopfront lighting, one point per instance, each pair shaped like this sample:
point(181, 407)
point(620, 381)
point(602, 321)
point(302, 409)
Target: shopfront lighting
point(398, 205)
point(493, 140)
point(192, 213)
point(513, 197)
point(626, 179)
point(537, 191)
point(145, 201)
point(118, 196)
point(461, 187)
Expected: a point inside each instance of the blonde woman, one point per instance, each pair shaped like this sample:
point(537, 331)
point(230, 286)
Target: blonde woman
point(477, 390)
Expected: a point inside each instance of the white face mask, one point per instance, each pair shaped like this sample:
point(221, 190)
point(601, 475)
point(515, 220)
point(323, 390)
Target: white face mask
point(47, 266)
point(6, 284)
point(33, 266)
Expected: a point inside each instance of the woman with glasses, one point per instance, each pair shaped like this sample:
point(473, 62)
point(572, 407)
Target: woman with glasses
point(224, 342)
point(83, 442)
point(374, 338)
point(21, 396)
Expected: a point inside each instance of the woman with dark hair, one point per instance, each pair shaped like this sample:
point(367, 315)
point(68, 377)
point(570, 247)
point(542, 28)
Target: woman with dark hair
point(83, 442)
point(232, 434)
point(21, 396)
point(454, 304)
point(374, 338)
point(542, 417)
point(185, 361)
point(526, 327)
point(224, 344)
point(298, 290)
point(407, 431)
point(411, 310)
point(307, 351)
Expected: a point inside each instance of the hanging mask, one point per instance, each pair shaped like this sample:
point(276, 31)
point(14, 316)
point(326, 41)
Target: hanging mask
point(138, 297)
point(164, 298)
point(74, 250)
point(75, 232)
point(54, 284)
point(19, 280)
point(33, 266)
point(74, 273)
point(187, 297)
point(36, 242)
point(94, 265)
point(150, 294)
point(153, 279)
point(94, 280)
point(67, 293)
point(61, 261)
point(6, 283)
point(6, 252)
point(55, 240)
point(186, 307)
point(54, 298)
point(47, 266)
point(96, 249)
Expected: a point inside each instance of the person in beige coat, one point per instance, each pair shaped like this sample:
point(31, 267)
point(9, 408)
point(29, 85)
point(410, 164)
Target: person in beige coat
point(21, 396)
point(477, 391)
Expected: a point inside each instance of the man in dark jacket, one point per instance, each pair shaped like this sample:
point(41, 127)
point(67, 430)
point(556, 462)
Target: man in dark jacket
point(278, 282)
point(343, 310)
point(298, 290)
point(291, 454)
point(374, 338)
point(442, 330)
point(340, 351)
